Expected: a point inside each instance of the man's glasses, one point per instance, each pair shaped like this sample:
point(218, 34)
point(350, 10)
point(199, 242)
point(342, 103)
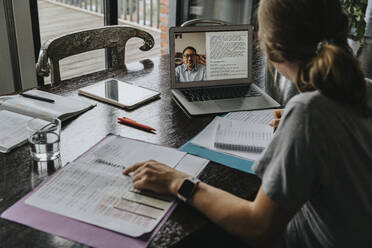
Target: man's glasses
point(189, 56)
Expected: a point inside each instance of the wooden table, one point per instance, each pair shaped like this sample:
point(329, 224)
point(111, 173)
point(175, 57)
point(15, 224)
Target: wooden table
point(19, 174)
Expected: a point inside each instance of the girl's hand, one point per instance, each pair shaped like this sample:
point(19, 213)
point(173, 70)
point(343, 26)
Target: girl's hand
point(155, 176)
point(277, 113)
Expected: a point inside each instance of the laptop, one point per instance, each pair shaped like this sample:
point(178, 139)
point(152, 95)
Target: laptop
point(211, 70)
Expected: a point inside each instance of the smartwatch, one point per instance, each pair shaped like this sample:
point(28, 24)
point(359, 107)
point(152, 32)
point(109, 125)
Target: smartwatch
point(187, 188)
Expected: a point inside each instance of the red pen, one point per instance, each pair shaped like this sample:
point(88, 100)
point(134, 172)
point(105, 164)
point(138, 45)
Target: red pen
point(125, 120)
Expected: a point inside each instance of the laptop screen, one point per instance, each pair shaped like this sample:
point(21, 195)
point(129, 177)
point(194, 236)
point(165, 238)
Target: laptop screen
point(208, 56)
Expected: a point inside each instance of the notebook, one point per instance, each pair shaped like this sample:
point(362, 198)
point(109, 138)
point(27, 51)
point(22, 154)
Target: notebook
point(242, 136)
point(16, 110)
point(206, 138)
point(119, 93)
point(211, 70)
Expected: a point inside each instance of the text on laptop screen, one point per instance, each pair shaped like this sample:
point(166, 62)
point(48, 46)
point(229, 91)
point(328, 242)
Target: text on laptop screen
point(205, 56)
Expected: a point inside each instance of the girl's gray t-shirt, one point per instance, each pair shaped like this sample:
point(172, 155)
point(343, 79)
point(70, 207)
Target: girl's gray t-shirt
point(319, 166)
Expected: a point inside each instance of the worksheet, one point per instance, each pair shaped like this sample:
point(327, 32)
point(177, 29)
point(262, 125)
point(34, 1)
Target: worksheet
point(92, 189)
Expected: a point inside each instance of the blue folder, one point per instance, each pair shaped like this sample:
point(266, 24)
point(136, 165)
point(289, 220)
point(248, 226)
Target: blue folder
point(221, 158)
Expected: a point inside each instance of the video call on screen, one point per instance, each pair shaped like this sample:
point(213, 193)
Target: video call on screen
point(203, 56)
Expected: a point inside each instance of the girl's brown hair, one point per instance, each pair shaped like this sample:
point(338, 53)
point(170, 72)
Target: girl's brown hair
point(313, 34)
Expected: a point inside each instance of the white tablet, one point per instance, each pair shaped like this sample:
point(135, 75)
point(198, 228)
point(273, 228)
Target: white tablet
point(119, 93)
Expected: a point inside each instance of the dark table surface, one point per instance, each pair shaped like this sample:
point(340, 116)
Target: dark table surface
point(19, 174)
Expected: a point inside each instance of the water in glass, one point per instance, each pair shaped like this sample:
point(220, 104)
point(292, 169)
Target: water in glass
point(45, 146)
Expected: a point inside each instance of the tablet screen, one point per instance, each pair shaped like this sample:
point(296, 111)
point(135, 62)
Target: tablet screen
point(119, 93)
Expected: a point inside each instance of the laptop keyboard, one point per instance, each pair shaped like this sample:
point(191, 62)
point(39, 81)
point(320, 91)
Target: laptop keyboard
point(195, 95)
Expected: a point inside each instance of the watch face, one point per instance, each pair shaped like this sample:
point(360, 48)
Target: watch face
point(186, 188)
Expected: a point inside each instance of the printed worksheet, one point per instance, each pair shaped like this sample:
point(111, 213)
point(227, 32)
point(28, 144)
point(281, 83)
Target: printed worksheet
point(93, 189)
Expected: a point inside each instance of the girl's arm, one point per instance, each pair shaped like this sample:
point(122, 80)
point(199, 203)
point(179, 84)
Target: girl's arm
point(259, 222)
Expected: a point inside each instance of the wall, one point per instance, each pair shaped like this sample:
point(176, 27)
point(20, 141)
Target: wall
point(17, 60)
point(25, 45)
point(6, 74)
point(232, 11)
point(163, 25)
point(196, 40)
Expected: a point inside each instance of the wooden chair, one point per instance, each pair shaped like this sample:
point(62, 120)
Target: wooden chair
point(279, 87)
point(114, 37)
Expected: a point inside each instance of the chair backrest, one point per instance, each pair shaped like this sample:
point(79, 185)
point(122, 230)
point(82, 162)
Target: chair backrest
point(279, 87)
point(114, 37)
point(204, 21)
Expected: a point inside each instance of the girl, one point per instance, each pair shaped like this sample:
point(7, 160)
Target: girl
point(316, 174)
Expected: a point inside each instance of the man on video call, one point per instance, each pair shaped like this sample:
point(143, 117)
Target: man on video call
point(190, 70)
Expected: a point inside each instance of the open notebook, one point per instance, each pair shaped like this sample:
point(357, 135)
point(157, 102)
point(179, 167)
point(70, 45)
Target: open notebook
point(16, 110)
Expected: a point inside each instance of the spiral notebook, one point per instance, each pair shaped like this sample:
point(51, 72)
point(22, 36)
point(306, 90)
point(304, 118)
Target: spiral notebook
point(242, 136)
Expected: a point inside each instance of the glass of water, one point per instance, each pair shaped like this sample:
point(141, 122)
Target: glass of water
point(44, 139)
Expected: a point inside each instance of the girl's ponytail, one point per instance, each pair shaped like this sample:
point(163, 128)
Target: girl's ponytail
point(336, 73)
point(313, 34)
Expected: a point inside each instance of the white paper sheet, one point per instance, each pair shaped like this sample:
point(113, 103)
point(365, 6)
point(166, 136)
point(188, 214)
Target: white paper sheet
point(13, 130)
point(227, 55)
point(93, 189)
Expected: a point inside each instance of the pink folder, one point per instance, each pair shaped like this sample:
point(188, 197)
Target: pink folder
point(73, 229)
